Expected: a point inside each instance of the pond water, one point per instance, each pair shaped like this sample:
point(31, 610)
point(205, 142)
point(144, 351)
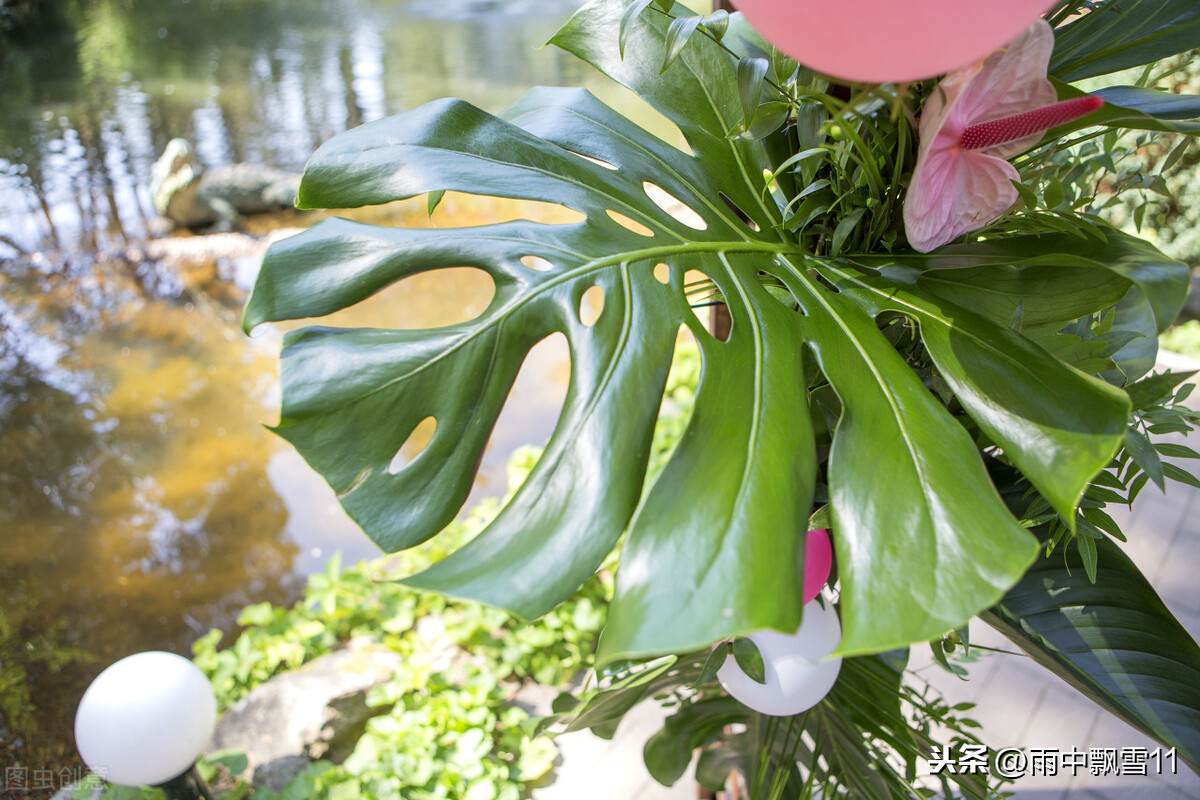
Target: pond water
point(142, 502)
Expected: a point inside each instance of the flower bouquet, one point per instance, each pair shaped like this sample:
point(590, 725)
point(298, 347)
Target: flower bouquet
point(936, 349)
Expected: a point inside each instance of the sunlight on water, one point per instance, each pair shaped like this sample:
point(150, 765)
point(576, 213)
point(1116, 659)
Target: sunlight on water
point(142, 500)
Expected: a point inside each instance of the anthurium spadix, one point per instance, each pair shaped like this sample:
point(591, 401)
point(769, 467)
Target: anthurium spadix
point(884, 41)
point(979, 117)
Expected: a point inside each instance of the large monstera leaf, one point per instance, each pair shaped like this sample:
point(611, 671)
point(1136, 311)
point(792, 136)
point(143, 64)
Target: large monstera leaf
point(1114, 640)
point(714, 548)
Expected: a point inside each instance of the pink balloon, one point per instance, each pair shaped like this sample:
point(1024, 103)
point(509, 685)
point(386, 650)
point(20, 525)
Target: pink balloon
point(818, 562)
point(889, 41)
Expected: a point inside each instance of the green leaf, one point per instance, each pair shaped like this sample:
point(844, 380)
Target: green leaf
point(1134, 338)
point(604, 707)
point(717, 23)
point(628, 16)
point(678, 34)
point(1158, 104)
point(745, 652)
point(937, 648)
point(1117, 35)
point(1085, 546)
point(751, 73)
point(1054, 194)
point(1132, 107)
point(1044, 295)
point(435, 199)
point(1155, 388)
point(1177, 152)
point(668, 752)
point(1024, 399)
point(844, 228)
point(713, 664)
point(1162, 280)
point(1142, 452)
point(1171, 450)
point(714, 548)
point(1181, 475)
point(1113, 640)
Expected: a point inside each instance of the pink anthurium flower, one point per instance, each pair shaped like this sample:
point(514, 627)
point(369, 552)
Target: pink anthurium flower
point(888, 41)
point(978, 117)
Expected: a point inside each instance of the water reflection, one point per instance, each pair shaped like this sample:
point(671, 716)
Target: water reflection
point(141, 500)
point(134, 498)
point(82, 120)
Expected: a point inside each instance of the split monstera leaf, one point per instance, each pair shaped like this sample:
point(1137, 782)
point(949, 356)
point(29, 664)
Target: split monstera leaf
point(714, 548)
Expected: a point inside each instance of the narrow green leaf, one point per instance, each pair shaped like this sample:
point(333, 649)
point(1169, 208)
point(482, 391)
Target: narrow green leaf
point(605, 705)
point(434, 200)
point(1102, 521)
point(821, 519)
point(1171, 450)
point(1114, 36)
point(1045, 295)
point(713, 664)
point(844, 228)
point(1106, 478)
point(717, 23)
point(938, 648)
point(628, 16)
point(745, 652)
point(1135, 488)
point(1163, 281)
point(1177, 152)
point(678, 34)
point(768, 118)
point(1181, 475)
point(751, 73)
point(1086, 547)
point(1143, 453)
point(1028, 197)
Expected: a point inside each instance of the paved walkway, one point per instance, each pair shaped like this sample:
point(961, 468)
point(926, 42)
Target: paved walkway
point(1018, 703)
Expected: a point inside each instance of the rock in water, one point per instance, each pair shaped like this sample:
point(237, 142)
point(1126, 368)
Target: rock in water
point(193, 198)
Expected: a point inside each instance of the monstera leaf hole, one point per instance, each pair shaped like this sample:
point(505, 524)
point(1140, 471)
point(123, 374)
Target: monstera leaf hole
point(825, 282)
point(537, 263)
point(778, 289)
point(598, 162)
point(741, 215)
point(427, 300)
point(629, 224)
point(674, 206)
point(413, 446)
point(701, 293)
point(662, 273)
point(465, 210)
point(590, 305)
point(534, 404)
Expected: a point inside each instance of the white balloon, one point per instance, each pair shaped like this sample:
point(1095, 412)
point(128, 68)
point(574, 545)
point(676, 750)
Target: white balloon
point(797, 671)
point(145, 719)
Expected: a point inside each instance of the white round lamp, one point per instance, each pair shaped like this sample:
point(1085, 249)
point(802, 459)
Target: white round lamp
point(145, 719)
point(796, 666)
